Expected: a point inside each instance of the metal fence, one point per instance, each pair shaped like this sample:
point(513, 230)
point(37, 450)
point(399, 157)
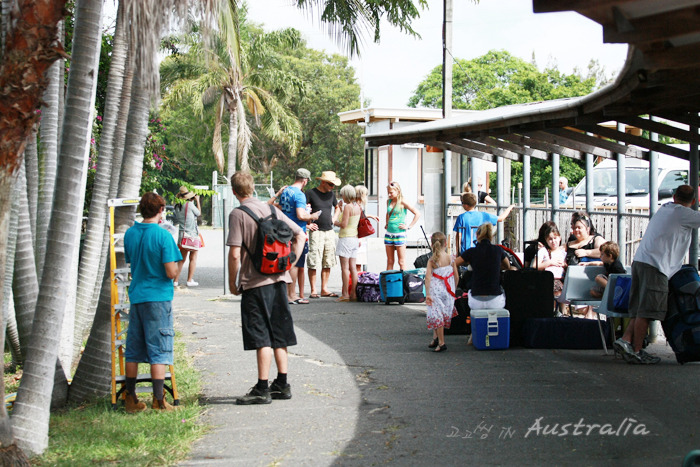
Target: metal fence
point(224, 201)
point(605, 223)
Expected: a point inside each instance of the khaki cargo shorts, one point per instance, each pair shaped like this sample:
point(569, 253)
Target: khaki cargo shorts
point(321, 249)
point(648, 293)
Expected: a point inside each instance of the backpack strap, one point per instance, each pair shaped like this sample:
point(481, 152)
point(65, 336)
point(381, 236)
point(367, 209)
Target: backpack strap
point(257, 220)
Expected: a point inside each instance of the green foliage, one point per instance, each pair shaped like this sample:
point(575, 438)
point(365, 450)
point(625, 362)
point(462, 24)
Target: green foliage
point(327, 144)
point(498, 78)
point(348, 21)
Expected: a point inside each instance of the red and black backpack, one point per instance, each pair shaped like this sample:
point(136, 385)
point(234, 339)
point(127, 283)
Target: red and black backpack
point(273, 252)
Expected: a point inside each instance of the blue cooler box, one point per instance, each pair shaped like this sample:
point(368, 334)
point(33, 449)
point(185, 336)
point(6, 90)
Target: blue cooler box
point(490, 329)
point(391, 286)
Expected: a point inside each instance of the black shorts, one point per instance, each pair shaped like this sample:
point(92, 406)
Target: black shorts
point(266, 318)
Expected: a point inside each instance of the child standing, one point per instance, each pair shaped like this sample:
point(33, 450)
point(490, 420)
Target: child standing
point(551, 256)
point(609, 255)
point(440, 285)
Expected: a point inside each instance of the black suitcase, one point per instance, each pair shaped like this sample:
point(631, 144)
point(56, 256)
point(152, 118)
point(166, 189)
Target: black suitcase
point(564, 333)
point(461, 324)
point(529, 294)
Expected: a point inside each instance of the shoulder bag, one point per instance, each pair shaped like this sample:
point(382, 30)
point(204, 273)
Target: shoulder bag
point(364, 226)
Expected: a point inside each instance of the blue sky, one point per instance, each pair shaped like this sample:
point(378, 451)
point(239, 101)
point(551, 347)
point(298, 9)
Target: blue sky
point(391, 70)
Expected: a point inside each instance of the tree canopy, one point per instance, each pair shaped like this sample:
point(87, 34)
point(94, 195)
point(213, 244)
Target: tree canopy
point(497, 79)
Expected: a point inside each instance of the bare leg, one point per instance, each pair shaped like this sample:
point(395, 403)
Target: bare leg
point(401, 253)
point(157, 371)
point(281, 359)
point(345, 275)
point(294, 272)
point(192, 266)
point(630, 331)
point(312, 281)
point(300, 280)
point(353, 278)
point(325, 275)
point(264, 357)
point(389, 257)
point(641, 327)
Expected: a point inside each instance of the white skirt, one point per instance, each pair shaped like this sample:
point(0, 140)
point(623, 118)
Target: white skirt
point(347, 247)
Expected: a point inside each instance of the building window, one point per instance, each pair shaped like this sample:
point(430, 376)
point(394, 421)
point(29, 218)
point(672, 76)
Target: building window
point(371, 165)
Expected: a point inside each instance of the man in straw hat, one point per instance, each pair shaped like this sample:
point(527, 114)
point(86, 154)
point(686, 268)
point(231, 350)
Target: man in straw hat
point(321, 234)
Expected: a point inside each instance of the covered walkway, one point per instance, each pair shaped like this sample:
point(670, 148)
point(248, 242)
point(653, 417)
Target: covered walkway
point(657, 91)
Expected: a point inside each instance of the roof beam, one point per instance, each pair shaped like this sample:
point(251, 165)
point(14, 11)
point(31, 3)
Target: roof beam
point(508, 146)
point(596, 146)
point(535, 140)
point(660, 128)
point(468, 144)
point(569, 142)
point(445, 146)
point(636, 140)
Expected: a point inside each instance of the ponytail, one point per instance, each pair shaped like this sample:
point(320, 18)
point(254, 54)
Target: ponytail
point(438, 243)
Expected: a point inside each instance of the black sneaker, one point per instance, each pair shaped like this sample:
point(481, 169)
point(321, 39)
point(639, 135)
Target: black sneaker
point(277, 391)
point(255, 396)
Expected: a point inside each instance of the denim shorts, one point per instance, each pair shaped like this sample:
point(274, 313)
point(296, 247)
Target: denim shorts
point(150, 336)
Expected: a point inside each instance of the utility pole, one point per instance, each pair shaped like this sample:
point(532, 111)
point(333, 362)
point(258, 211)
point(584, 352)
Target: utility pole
point(447, 104)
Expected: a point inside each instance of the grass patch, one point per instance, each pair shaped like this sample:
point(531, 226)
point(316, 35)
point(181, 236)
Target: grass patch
point(94, 434)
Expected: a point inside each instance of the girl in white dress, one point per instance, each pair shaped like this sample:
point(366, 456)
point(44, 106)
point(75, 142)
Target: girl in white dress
point(440, 286)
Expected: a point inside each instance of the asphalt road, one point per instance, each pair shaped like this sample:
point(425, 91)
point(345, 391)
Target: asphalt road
point(367, 391)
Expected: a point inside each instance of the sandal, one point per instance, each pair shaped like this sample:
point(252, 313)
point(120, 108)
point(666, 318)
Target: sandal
point(440, 348)
point(330, 295)
point(315, 295)
point(434, 343)
point(301, 301)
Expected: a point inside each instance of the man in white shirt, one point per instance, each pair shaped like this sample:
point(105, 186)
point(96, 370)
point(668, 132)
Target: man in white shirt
point(659, 256)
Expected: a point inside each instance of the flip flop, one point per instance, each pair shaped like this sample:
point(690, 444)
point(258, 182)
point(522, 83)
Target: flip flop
point(301, 301)
point(330, 295)
point(341, 299)
point(315, 295)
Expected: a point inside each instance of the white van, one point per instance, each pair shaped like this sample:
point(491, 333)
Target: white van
point(673, 172)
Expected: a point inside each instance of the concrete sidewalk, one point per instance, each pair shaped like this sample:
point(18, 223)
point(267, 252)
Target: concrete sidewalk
point(366, 391)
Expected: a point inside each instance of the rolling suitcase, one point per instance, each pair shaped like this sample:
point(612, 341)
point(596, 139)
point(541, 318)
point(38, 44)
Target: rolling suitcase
point(529, 294)
point(391, 287)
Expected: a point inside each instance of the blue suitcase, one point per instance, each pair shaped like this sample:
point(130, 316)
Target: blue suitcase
point(391, 287)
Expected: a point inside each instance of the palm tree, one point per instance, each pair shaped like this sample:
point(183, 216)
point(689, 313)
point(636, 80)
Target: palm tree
point(238, 79)
point(34, 49)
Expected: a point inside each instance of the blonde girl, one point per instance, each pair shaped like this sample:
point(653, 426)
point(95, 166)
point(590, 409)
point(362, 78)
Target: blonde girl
point(440, 286)
point(395, 237)
point(348, 243)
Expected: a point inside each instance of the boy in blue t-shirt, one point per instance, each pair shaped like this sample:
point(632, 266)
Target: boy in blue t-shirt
point(153, 255)
point(467, 222)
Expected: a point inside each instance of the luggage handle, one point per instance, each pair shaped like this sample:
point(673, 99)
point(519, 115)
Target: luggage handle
point(492, 325)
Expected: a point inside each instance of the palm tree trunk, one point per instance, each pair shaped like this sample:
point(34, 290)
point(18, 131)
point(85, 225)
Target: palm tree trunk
point(31, 411)
point(25, 285)
point(93, 247)
point(49, 152)
point(10, 454)
point(31, 169)
point(8, 308)
point(232, 146)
